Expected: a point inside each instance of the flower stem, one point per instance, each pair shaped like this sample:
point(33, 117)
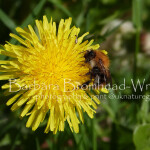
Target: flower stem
point(94, 135)
point(136, 53)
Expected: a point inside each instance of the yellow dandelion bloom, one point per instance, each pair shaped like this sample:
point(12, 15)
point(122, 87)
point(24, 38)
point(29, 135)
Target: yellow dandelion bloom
point(43, 73)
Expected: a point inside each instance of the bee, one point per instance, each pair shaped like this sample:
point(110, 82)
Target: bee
point(98, 63)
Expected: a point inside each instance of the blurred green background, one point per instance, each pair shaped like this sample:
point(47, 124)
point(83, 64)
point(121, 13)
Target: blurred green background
point(122, 121)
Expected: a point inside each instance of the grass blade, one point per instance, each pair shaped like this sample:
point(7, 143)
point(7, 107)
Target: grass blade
point(7, 21)
point(137, 13)
point(37, 144)
point(94, 135)
point(137, 21)
point(31, 17)
point(61, 7)
point(35, 12)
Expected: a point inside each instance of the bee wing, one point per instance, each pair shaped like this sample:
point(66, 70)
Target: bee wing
point(105, 72)
point(109, 78)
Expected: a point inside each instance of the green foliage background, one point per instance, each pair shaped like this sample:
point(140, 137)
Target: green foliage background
point(120, 123)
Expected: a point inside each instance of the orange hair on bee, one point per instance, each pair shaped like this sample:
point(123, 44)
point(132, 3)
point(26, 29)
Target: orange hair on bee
point(104, 58)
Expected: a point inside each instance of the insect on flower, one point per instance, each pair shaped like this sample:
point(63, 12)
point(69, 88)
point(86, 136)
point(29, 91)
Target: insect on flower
point(98, 62)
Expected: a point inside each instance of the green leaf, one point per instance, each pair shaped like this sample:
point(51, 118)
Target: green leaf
point(34, 13)
point(7, 21)
point(109, 110)
point(61, 7)
point(114, 101)
point(31, 17)
point(50, 143)
point(109, 18)
point(137, 21)
point(37, 144)
point(141, 137)
point(108, 1)
point(6, 140)
point(79, 140)
point(144, 109)
point(137, 13)
point(2, 57)
point(94, 134)
point(80, 19)
point(7, 127)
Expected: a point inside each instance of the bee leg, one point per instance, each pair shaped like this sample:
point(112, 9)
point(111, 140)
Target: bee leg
point(96, 82)
point(104, 79)
point(82, 65)
point(83, 61)
point(88, 73)
point(86, 83)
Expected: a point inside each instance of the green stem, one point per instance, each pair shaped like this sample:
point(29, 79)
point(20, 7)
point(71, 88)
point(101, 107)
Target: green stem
point(137, 48)
point(94, 135)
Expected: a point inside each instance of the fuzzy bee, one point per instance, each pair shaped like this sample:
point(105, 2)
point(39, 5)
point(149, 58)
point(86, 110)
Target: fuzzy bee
point(98, 63)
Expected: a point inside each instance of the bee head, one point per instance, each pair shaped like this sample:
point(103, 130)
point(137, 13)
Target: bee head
point(89, 55)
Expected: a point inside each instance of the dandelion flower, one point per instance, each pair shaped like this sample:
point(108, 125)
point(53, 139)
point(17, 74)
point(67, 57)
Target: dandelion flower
point(43, 73)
